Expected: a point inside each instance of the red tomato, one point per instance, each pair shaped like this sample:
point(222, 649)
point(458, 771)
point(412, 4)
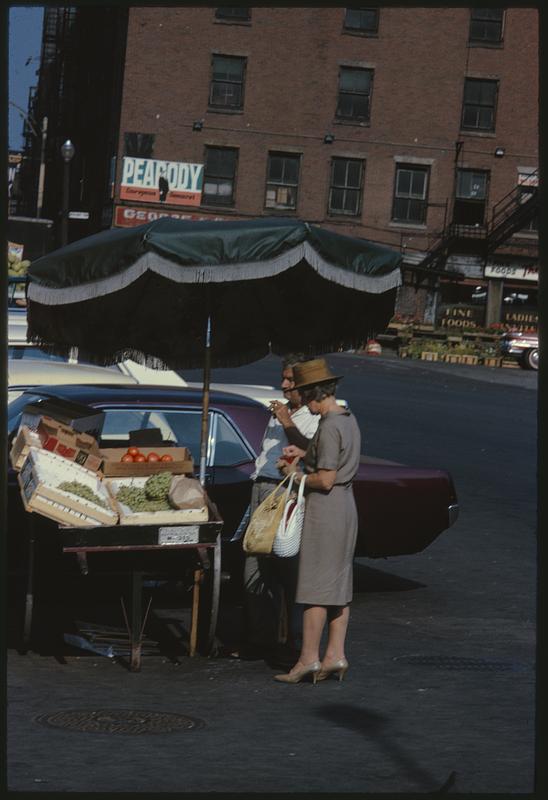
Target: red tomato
point(139, 458)
point(166, 457)
point(153, 457)
point(133, 451)
point(127, 457)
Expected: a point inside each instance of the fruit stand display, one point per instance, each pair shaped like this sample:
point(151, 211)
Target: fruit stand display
point(118, 500)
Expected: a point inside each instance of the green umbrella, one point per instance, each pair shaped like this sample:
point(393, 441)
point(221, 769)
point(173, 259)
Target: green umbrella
point(154, 292)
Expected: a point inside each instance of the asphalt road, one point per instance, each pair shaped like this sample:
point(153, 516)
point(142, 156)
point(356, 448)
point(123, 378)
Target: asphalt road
point(440, 691)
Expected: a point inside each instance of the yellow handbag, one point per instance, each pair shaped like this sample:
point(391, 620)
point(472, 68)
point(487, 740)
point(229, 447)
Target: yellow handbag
point(265, 520)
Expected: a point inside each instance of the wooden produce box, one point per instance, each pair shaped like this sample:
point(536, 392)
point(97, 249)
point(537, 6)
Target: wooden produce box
point(171, 517)
point(39, 481)
point(182, 463)
point(25, 439)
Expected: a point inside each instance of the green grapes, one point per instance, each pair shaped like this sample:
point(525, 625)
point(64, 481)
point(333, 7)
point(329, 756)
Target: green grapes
point(81, 490)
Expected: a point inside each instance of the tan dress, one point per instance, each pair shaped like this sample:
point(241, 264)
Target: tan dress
point(331, 521)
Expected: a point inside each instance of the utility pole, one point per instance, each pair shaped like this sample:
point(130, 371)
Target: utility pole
point(42, 172)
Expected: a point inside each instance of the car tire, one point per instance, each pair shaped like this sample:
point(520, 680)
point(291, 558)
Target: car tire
point(530, 359)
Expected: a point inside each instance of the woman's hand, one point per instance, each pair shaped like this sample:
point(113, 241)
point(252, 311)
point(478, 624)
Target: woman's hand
point(285, 467)
point(293, 452)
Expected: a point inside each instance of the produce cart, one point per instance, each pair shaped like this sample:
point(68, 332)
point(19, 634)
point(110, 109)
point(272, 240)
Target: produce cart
point(103, 503)
point(203, 539)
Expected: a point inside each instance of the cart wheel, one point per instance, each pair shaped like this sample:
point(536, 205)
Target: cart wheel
point(209, 601)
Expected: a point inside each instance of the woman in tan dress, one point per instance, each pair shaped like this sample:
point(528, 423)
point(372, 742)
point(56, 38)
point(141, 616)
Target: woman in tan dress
point(330, 525)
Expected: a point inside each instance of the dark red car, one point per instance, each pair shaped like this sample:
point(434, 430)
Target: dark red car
point(401, 509)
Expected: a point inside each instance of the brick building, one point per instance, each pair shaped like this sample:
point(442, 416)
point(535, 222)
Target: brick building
point(412, 127)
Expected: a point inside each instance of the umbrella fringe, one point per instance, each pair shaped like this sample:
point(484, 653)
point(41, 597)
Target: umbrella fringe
point(215, 273)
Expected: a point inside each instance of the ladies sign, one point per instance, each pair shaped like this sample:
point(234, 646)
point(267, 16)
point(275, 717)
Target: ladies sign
point(149, 180)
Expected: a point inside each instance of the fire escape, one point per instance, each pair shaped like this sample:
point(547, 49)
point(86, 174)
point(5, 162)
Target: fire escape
point(508, 216)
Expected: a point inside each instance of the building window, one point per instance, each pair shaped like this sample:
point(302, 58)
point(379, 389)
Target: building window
point(345, 191)
point(486, 25)
point(410, 194)
point(230, 13)
point(219, 176)
point(471, 197)
point(282, 181)
point(227, 82)
point(354, 94)
point(527, 186)
point(139, 145)
point(361, 20)
point(480, 100)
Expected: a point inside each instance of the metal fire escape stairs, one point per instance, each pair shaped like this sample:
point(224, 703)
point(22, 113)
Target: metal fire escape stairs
point(509, 215)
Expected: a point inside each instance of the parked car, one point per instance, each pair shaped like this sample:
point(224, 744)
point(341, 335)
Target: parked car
point(521, 346)
point(401, 509)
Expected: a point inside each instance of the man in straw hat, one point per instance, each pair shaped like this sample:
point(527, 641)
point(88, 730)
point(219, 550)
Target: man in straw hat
point(330, 526)
point(269, 581)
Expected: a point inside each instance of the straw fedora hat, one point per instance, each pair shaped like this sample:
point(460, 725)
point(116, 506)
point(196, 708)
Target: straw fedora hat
point(310, 373)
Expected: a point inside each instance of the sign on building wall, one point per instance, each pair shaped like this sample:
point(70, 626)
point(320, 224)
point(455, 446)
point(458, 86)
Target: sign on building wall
point(130, 216)
point(511, 272)
point(152, 181)
point(520, 320)
point(460, 316)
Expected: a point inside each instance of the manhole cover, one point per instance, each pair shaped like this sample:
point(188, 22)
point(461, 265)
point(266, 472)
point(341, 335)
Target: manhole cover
point(458, 662)
point(119, 721)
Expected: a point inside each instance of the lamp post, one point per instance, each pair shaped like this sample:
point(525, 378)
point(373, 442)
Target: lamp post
point(67, 151)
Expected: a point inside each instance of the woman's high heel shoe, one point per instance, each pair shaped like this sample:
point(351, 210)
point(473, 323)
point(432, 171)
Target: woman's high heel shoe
point(339, 667)
point(311, 669)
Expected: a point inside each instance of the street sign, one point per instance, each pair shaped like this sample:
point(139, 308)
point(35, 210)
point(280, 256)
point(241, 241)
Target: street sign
point(78, 214)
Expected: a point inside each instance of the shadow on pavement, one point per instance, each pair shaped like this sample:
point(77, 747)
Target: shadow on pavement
point(373, 726)
point(369, 579)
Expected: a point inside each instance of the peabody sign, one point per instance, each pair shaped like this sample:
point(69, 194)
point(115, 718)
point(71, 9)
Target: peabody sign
point(149, 180)
point(460, 316)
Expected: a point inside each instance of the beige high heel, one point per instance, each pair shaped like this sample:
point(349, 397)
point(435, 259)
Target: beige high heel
point(311, 669)
point(340, 667)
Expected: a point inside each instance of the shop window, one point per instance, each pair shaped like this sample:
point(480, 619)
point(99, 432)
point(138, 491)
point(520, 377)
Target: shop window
point(231, 14)
point(354, 100)
point(345, 191)
point(486, 25)
point(410, 194)
point(471, 197)
point(282, 181)
point(139, 145)
point(478, 109)
point(361, 20)
point(219, 175)
point(227, 83)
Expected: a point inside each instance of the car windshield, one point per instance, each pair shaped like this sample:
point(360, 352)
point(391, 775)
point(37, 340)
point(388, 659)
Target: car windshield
point(15, 409)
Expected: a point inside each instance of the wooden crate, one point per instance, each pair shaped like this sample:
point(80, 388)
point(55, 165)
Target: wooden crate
point(39, 480)
point(427, 355)
point(171, 517)
point(25, 439)
point(182, 463)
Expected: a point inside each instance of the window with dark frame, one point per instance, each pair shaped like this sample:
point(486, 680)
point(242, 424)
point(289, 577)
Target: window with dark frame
point(361, 20)
point(227, 82)
point(526, 187)
point(231, 13)
point(410, 194)
point(479, 105)
point(470, 197)
point(282, 180)
point(354, 99)
point(139, 145)
point(346, 188)
point(486, 25)
point(219, 176)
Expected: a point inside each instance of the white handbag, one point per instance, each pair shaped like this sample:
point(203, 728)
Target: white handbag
point(288, 536)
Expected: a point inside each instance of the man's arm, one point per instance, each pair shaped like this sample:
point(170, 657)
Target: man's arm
point(294, 436)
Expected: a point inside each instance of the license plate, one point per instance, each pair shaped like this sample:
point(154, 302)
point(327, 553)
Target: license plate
point(187, 534)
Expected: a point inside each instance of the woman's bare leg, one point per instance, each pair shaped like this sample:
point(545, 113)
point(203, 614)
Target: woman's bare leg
point(338, 623)
point(314, 618)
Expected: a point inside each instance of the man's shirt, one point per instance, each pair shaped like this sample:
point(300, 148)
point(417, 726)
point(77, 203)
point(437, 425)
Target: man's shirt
point(275, 439)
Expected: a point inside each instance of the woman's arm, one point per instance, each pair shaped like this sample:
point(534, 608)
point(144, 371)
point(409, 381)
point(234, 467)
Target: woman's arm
point(322, 480)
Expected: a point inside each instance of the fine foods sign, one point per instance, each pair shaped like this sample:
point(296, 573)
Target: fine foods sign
point(150, 180)
point(510, 271)
point(461, 316)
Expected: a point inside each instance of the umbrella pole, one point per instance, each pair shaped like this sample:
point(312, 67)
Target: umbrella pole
point(205, 404)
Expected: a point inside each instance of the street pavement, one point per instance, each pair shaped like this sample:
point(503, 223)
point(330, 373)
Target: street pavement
point(439, 696)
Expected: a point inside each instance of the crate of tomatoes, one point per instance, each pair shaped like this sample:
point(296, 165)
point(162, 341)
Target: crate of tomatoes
point(136, 461)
